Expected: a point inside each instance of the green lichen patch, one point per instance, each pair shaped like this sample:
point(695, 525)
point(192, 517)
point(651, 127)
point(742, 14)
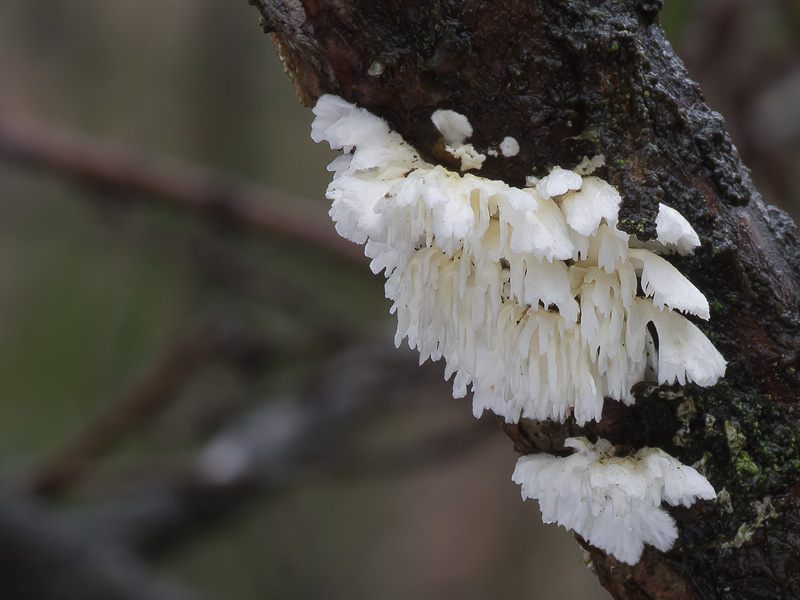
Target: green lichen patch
point(746, 466)
point(755, 450)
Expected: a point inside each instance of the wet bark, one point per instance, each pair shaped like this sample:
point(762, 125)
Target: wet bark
point(570, 79)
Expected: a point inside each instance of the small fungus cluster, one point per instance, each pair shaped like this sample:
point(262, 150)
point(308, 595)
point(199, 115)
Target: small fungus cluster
point(537, 302)
point(612, 501)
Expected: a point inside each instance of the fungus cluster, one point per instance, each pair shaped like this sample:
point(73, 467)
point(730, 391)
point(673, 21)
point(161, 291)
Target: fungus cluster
point(613, 501)
point(536, 301)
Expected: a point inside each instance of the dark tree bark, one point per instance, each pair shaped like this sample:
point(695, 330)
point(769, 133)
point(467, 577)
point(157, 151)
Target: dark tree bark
point(579, 78)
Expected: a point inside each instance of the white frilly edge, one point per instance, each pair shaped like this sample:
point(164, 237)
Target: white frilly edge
point(614, 503)
point(537, 300)
point(530, 295)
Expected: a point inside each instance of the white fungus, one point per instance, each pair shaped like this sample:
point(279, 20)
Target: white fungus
point(455, 129)
point(537, 302)
point(559, 181)
point(665, 284)
point(530, 295)
point(614, 502)
point(453, 126)
point(674, 231)
point(509, 147)
point(674, 234)
point(593, 202)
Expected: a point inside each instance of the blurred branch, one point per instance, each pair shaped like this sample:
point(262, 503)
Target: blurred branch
point(145, 398)
point(102, 164)
point(424, 453)
point(42, 558)
point(275, 445)
point(281, 443)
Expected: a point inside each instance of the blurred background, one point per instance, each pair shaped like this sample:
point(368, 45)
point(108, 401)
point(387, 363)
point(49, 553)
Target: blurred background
point(199, 393)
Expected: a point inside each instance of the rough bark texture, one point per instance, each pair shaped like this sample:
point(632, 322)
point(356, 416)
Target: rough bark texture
point(578, 78)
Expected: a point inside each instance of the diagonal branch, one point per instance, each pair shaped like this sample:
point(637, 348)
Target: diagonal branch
point(42, 557)
point(145, 398)
point(190, 188)
point(306, 435)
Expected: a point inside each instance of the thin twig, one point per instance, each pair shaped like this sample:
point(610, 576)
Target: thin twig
point(109, 165)
point(45, 557)
point(292, 441)
point(145, 398)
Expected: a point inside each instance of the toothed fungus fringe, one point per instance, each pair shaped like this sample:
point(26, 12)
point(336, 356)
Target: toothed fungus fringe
point(530, 295)
point(534, 298)
point(613, 502)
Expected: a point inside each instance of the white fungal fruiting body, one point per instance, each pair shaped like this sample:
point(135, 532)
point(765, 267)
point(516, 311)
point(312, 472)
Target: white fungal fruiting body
point(509, 147)
point(455, 129)
point(674, 234)
point(612, 502)
point(537, 301)
point(530, 295)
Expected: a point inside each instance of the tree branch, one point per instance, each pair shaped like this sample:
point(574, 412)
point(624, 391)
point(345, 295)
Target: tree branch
point(583, 78)
point(146, 397)
point(43, 558)
point(194, 189)
point(277, 444)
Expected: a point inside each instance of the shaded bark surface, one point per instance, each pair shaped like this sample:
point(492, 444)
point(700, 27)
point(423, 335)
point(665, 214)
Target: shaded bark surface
point(581, 78)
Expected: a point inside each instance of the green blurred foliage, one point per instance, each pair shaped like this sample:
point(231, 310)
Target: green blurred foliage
point(92, 293)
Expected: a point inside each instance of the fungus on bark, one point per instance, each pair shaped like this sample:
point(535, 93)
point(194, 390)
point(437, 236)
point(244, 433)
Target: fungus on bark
point(536, 300)
point(614, 502)
point(599, 79)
